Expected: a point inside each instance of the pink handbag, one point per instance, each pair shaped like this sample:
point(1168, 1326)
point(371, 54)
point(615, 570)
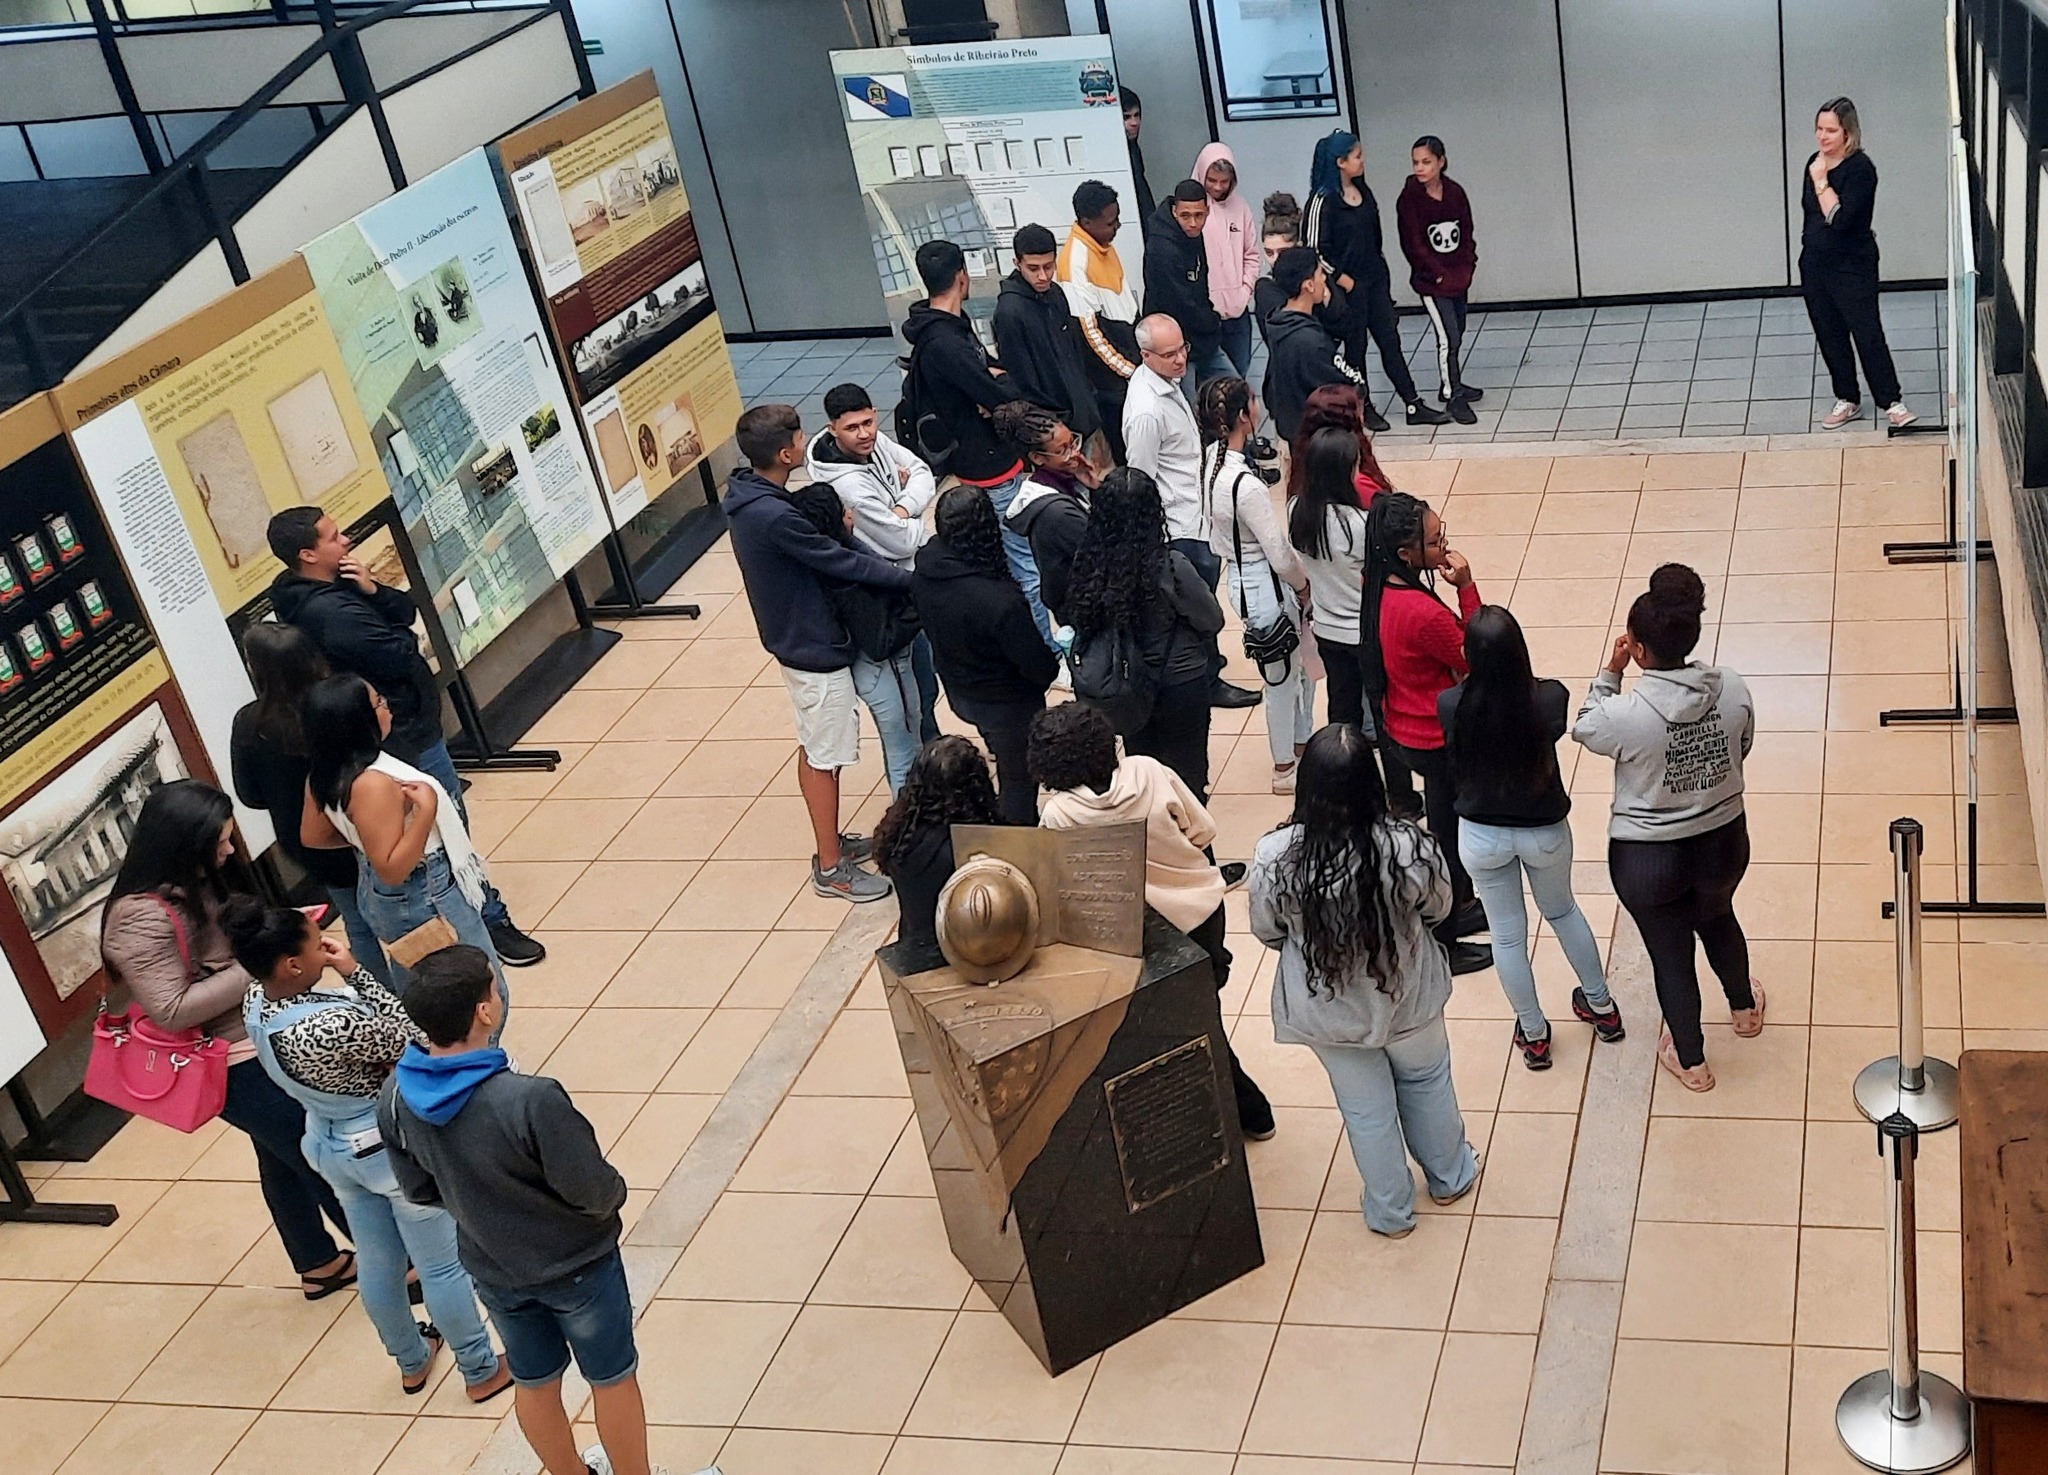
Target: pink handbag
point(178, 1078)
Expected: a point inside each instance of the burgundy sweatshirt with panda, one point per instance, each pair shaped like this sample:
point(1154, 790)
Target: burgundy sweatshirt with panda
point(1436, 237)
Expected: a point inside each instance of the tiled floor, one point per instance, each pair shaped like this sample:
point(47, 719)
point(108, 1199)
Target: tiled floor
point(816, 1322)
point(1747, 366)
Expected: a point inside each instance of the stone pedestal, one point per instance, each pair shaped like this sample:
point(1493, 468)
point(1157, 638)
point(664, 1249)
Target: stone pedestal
point(1082, 1134)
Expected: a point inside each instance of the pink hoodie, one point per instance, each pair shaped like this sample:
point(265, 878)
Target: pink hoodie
point(1232, 236)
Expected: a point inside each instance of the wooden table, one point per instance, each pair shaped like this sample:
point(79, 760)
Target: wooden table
point(2004, 1125)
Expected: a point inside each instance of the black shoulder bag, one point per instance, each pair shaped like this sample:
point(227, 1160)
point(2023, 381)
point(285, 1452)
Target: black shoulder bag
point(1270, 645)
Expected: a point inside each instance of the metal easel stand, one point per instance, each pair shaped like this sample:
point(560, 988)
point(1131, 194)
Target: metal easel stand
point(73, 1133)
point(484, 756)
point(632, 607)
point(21, 1206)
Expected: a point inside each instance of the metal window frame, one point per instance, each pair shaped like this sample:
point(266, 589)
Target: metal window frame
point(1327, 103)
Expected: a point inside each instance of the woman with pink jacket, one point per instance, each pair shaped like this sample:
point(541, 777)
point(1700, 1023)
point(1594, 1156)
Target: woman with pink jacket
point(1235, 260)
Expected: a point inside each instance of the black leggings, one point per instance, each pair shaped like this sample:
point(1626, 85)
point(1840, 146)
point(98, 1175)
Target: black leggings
point(1447, 317)
point(1345, 679)
point(1177, 733)
point(295, 1195)
point(1842, 305)
point(1440, 817)
point(1005, 729)
point(1251, 1101)
point(1678, 890)
point(1369, 311)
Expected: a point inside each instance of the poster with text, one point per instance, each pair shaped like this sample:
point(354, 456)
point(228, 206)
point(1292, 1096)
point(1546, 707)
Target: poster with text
point(452, 367)
point(91, 722)
point(965, 143)
point(609, 229)
point(191, 441)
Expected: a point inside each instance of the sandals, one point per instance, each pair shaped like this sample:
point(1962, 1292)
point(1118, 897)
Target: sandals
point(417, 1383)
point(1753, 1018)
point(492, 1386)
point(323, 1286)
point(1478, 1170)
point(1693, 1078)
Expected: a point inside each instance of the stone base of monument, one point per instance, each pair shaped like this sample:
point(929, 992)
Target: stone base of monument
point(1082, 1134)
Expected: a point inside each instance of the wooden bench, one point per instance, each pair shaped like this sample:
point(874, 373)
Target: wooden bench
point(2004, 1125)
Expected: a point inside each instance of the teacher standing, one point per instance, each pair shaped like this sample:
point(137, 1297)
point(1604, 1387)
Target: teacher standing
point(1838, 267)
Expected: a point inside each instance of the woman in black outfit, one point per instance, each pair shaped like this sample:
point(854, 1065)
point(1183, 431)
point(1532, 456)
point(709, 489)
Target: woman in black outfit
point(1838, 267)
point(948, 785)
point(994, 663)
point(1126, 577)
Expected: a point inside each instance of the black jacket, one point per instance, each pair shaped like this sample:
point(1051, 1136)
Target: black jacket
point(984, 642)
point(1177, 280)
point(950, 369)
point(1266, 300)
point(1300, 357)
point(1043, 354)
point(369, 635)
point(1846, 243)
point(784, 563)
point(1348, 237)
point(1484, 796)
point(267, 777)
point(1052, 520)
point(1146, 199)
point(920, 874)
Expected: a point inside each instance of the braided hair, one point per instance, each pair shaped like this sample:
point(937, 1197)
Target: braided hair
point(948, 784)
point(1119, 569)
point(1219, 405)
point(1392, 523)
point(1024, 427)
point(966, 520)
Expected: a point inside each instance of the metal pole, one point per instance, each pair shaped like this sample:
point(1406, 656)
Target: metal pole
point(1899, 1419)
point(1908, 1083)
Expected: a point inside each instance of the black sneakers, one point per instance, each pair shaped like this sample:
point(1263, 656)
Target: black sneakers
point(1463, 413)
point(1422, 414)
point(514, 948)
point(1606, 1025)
point(1535, 1053)
point(1470, 957)
point(1234, 872)
point(1374, 420)
point(1469, 919)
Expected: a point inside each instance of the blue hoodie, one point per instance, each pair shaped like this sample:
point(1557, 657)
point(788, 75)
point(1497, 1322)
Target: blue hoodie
point(437, 1087)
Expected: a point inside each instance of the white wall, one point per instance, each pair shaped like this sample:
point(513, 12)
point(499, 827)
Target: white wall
point(436, 121)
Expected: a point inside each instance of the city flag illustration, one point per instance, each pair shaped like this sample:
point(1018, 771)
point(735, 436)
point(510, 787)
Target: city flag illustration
point(870, 99)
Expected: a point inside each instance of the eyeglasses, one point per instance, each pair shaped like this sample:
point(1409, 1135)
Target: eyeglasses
point(1169, 353)
point(1442, 538)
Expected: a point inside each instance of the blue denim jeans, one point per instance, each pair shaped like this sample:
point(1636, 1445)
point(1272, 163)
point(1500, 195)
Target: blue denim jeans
point(362, 937)
point(390, 1230)
point(1496, 856)
point(294, 1193)
point(889, 689)
point(1395, 1095)
point(429, 892)
point(1237, 344)
point(1291, 704)
point(1017, 549)
point(927, 688)
point(588, 1315)
point(437, 763)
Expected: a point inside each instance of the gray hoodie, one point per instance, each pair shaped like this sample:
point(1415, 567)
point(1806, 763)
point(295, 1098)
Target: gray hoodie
point(1677, 741)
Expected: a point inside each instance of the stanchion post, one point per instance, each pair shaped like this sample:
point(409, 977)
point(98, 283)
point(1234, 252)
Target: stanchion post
point(1908, 1084)
point(1899, 1419)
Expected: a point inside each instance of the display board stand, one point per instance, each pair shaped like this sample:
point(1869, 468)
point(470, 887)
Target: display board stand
point(22, 1207)
point(689, 540)
point(611, 606)
point(73, 1133)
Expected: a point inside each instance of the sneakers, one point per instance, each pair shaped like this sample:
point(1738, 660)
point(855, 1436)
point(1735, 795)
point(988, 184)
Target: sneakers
point(1606, 1025)
point(514, 948)
point(1472, 394)
point(1283, 779)
point(1843, 412)
point(1899, 417)
point(1470, 957)
point(855, 847)
point(848, 882)
point(1535, 1053)
point(1374, 420)
point(600, 1463)
point(1422, 414)
point(1469, 919)
point(1463, 413)
point(1234, 872)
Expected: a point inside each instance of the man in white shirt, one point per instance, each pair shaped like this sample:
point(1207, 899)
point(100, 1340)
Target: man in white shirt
point(1162, 440)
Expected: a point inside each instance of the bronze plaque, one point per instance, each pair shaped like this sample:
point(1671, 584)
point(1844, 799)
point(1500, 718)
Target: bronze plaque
point(1090, 882)
point(1167, 1118)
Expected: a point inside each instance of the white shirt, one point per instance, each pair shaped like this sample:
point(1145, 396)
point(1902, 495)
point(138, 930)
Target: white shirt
point(1336, 584)
point(1161, 440)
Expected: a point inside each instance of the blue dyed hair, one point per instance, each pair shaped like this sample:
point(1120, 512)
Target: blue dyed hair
point(1323, 178)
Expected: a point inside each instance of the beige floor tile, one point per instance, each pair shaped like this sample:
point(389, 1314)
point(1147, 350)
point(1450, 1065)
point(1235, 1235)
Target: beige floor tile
point(1350, 1276)
point(98, 1339)
point(239, 1348)
point(749, 895)
point(528, 784)
point(1785, 648)
point(532, 1034)
point(1910, 463)
point(759, 712)
point(1502, 514)
point(1760, 1077)
point(1857, 983)
point(1422, 477)
point(1294, 1417)
point(1706, 552)
point(66, 1252)
point(719, 1051)
point(1711, 1282)
point(435, 1446)
point(1261, 1295)
point(676, 829)
point(823, 1144)
point(1838, 1053)
point(735, 769)
point(1554, 556)
point(1864, 647)
point(610, 1113)
point(950, 1456)
point(347, 1444)
point(775, 969)
point(349, 1372)
point(659, 1136)
point(704, 1358)
point(1479, 1061)
point(194, 1233)
point(491, 820)
point(138, 1439)
point(1754, 599)
point(1342, 1193)
point(1781, 550)
point(1475, 1408)
point(907, 1173)
point(851, 1369)
point(809, 1451)
point(1842, 1278)
point(576, 969)
point(1851, 900)
point(1789, 703)
point(622, 1049)
point(857, 1057)
point(620, 895)
point(530, 888)
point(1686, 510)
point(1856, 828)
point(141, 1149)
point(1176, 1385)
point(762, 1247)
point(895, 1253)
point(986, 1384)
point(727, 663)
point(1816, 467)
point(1855, 703)
point(1996, 979)
point(1693, 469)
point(671, 715)
point(1525, 474)
point(1777, 901)
point(1895, 761)
point(580, 717)
point(1079, 1459)
point(1550, 602)
point(1721, 1170)
point(1844, 1180)
point(1527, 1164)
point(1501, 556)
point(41, 1433)
point(679, 969)
point(1785, 967)
point(1289, 1074)
point(566, 829)
point(1819, 1374)
point(775, 827)
point(1505, 1274)
point(632, 665)
point(23, 1305)
point(1690, 1408)
point(1789, 507)
point(1597, 473)
point(1896, 594)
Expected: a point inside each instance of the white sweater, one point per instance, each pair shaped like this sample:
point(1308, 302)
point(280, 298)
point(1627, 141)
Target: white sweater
point(1235, 499)
point(1336, 584)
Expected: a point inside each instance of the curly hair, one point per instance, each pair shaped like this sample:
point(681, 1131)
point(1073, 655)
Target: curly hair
point(948, 784)
point(1666, 616)
point(1340, 407)
point(1282, 216)
point(1393, 523)
point(1330, 873)
point(1072, 746)
point(1024, 427)
point(1120, 566)
point(966, 520)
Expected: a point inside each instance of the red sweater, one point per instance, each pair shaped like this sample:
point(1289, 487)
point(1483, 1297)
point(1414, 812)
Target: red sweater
point(1423, 644)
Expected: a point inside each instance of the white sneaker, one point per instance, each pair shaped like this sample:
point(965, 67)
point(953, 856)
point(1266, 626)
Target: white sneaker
point(1283, 779)
point(1899, 416)
point(1843, 412)
point(600, 1463)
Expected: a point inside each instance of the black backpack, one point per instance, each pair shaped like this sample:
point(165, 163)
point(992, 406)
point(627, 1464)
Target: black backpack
point(882, 622)
point(1112, 673)
point(918, 429)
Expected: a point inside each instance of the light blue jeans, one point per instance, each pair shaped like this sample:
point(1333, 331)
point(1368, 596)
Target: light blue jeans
point(429, 892)
point(389, 1230)
point(1496, 856)
point(1401, 1094)
point(889, 688)
point(438, 764)
point(362, 937)
point(1017, 549)
point(1291, 705)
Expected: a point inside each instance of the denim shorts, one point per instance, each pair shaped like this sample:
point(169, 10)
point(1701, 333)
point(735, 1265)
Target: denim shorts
point(588, 1314)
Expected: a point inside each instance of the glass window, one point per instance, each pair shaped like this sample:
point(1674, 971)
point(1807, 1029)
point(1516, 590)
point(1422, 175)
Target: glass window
point(1275, 58)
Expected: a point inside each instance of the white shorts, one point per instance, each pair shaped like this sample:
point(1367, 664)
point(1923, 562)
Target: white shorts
point(827, 716)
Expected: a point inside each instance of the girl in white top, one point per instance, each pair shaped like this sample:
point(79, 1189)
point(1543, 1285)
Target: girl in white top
point(1327, 527)
point(1245, 532)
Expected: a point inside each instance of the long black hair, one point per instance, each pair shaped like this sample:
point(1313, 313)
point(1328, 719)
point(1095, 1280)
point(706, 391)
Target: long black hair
point(1119, 568)
point(1501, 731)
point(1330, 872)
point(1394, 522)
point(341, 738)
point(965, 520)
point(176, 840)
point(948, 784)
point(284, 664)
point(1329, 478)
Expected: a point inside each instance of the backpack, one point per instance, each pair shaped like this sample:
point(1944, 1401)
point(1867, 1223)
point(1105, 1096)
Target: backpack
point(918, 428)
point(1113, 675)
point(882, 622)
